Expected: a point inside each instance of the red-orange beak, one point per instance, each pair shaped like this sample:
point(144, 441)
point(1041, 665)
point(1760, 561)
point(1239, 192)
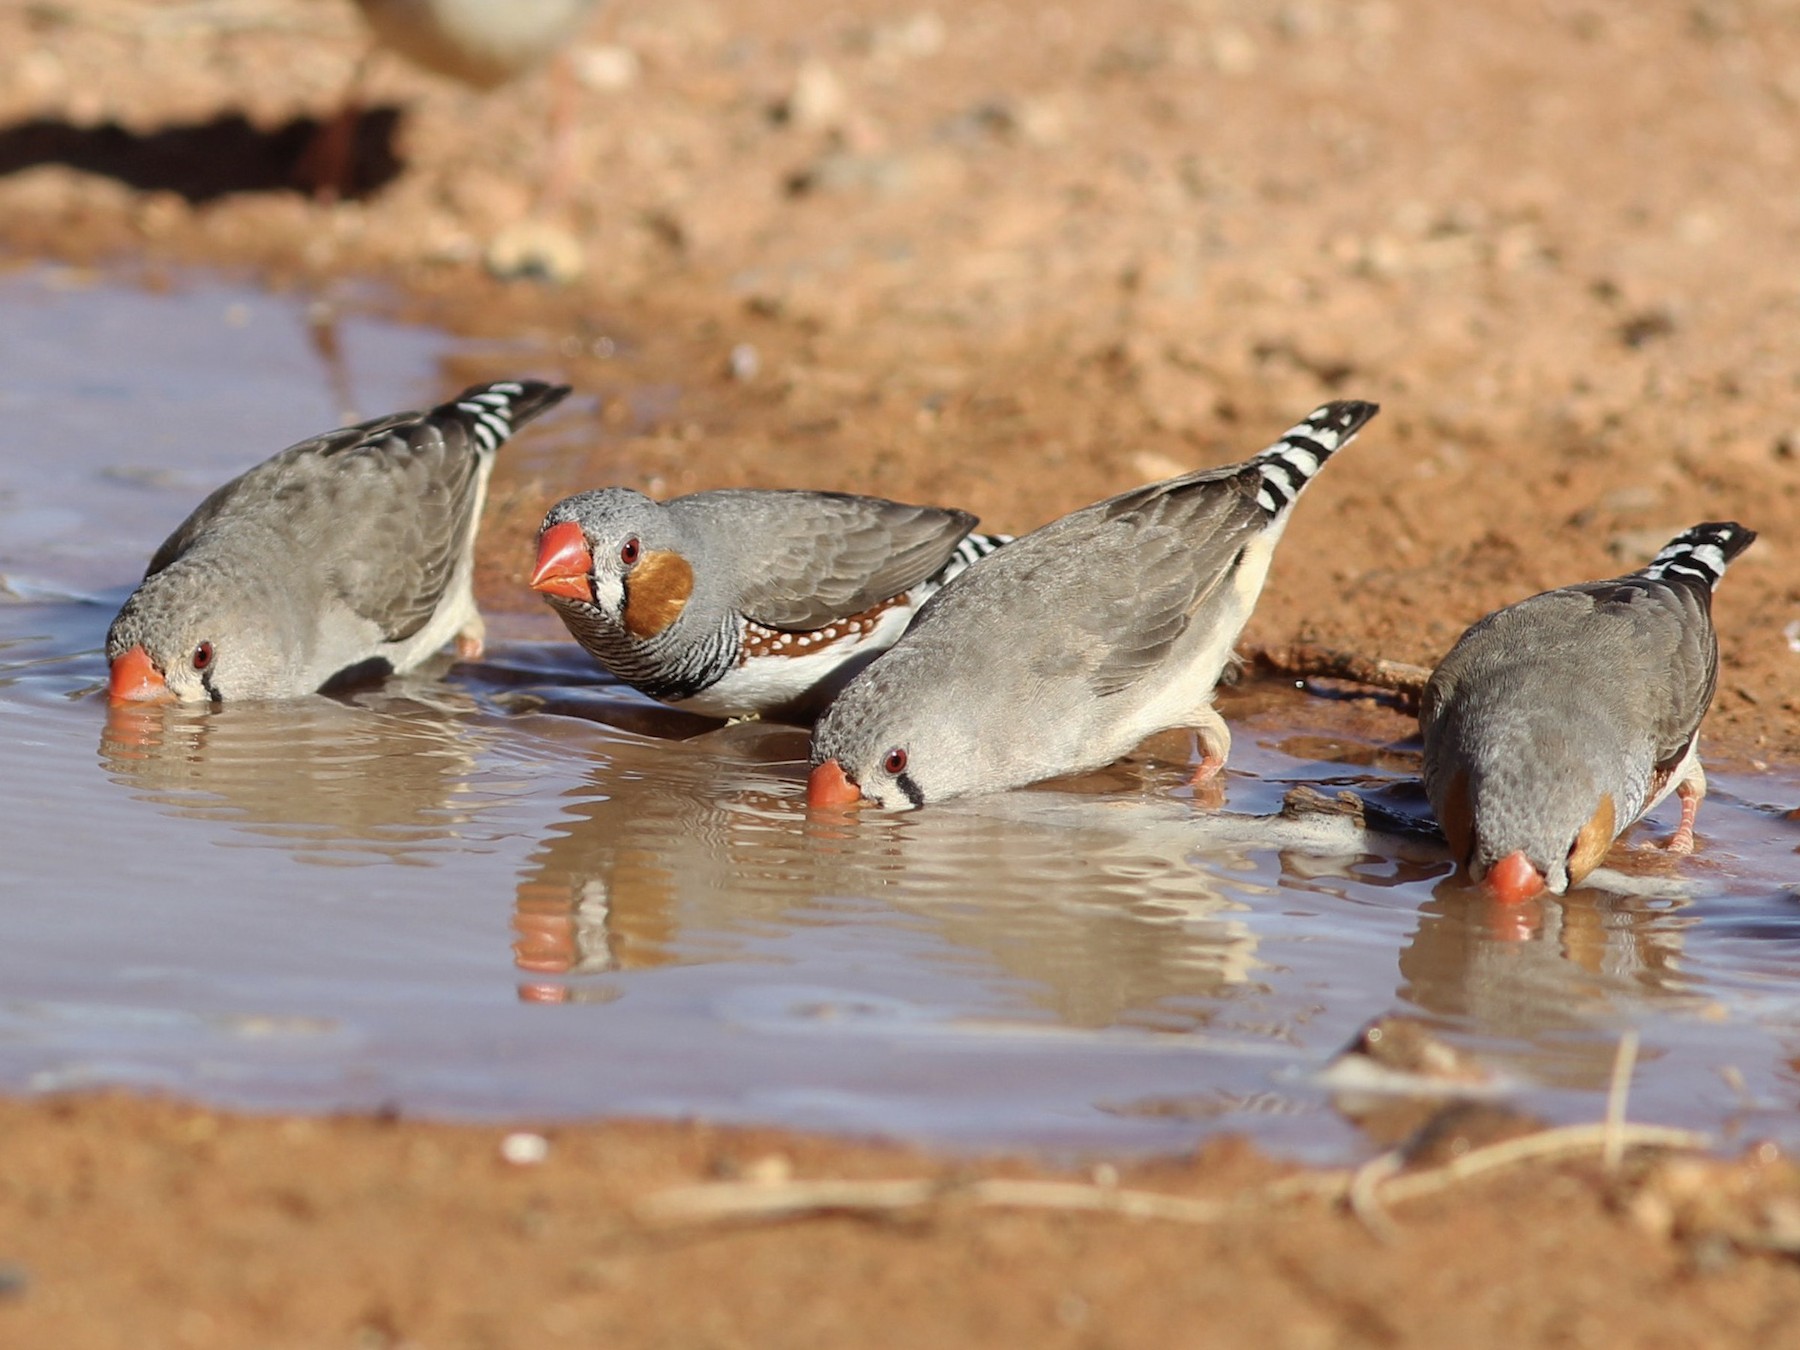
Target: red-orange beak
point(136, 679)
point(564, 563)
point(829, 785)
point(1513, 879)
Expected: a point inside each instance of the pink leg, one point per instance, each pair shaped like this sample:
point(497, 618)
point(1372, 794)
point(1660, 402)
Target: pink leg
point(1213, 738)
point(328, 166)
point(1689, 794)
point(1208, 768)
point(472, 641)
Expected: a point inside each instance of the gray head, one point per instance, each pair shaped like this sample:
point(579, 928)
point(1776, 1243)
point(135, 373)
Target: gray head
point(183, 635)
point(893, 740)
point(617, 552)
point(1521, 792)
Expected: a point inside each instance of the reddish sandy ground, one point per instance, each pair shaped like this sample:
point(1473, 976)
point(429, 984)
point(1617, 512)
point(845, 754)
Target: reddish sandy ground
point(131, 1224)
point(1009, 256)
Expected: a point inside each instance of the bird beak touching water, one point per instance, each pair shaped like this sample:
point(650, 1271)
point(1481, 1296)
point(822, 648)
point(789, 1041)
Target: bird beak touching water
point(136, 679)
point(564, 563)
point(829, 785)
point(1513, 879)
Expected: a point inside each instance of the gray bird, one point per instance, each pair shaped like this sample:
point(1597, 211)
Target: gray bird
point(745, 603)
point(1556, 723)
point(483, 43)
point(347, 555)
point(1066, 648)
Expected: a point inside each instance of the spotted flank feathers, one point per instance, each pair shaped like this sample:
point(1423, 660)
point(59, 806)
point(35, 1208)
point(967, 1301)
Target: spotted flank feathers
point(1288, 465)
point(1700, 554)
point(852, 629)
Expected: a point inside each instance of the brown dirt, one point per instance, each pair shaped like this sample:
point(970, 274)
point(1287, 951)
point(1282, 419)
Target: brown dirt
point(143, 1224)
point(1014, 257)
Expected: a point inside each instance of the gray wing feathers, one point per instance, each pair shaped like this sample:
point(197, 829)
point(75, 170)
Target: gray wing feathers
point(1664, 629)
point(276, 476)
point(1182, 547)
point(825, 556)
point(1123, 580)
point(387, 506)
point(408, 506)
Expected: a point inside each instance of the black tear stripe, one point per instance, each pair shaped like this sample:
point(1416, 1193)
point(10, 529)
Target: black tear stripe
point(906, 785)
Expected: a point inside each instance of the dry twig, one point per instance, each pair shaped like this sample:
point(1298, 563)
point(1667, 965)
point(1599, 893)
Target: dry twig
point(1367, 1190)
point(1302, 660)
point(1624, 1061)
point(1562, 1142)
point(765, 1201)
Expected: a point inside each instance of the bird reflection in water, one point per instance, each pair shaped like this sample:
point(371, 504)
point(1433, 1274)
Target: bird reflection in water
point(377, 778)
point(677, 855)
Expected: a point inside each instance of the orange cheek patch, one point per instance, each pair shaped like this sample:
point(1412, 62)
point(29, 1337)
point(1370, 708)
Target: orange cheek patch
point(656, 592)
point(1595, 839)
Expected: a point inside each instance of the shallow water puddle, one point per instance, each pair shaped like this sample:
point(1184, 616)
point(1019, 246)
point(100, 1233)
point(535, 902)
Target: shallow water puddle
point(512, 893)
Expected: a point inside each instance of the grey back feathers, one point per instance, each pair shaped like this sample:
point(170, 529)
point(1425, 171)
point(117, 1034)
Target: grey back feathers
point(1575, 706)
point(1061, 651)
point(804, 559)
point(339, 549)
point(691, 597)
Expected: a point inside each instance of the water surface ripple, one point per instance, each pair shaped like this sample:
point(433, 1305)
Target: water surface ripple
point(514, 892)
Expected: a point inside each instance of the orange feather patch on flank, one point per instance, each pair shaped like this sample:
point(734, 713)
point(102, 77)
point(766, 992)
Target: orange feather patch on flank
point(1458, 819)
point(760, 641)
point(1595, 838)
point(656, 592)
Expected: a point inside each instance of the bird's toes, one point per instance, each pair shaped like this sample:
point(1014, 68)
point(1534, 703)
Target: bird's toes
point(1681, 842)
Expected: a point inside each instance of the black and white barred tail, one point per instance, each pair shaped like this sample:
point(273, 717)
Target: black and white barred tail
point(972, 549)
point(492, 412)
point(1288, 465)
point(1701, 554)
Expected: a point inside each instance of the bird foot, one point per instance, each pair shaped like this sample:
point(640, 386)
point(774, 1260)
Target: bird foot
point(1682, 841)
point(1212, 738)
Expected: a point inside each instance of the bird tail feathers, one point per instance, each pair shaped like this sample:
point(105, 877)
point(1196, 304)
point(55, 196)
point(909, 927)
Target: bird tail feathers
point(493, 412)
point(1700, 554)
point(1287, 466)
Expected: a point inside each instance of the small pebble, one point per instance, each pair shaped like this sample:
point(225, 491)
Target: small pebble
point(818, 101)
point(770, 1170)
point(535, 250)
point(745, 363)
point(523, 1149)
point(607, 69)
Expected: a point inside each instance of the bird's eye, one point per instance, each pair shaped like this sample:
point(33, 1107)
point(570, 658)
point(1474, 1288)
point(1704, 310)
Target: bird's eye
point(203, 656)
point(895, 763)
point(628, 553)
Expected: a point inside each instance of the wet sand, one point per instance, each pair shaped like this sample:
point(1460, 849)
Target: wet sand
point(1011, 258)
